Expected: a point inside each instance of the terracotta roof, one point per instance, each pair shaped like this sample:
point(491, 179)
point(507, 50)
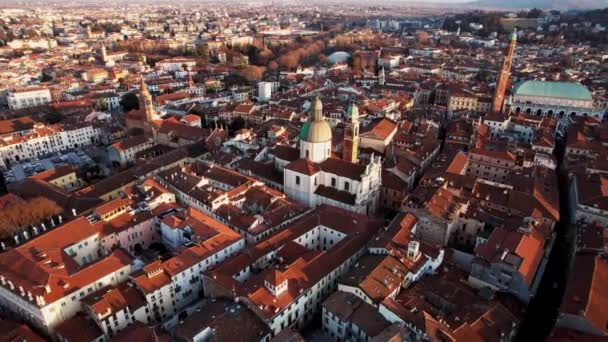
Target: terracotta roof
point(138, 331)
point(351, 309)
point(15, 332)
point(343, 168)
point(462, 315)
point(130, 142)
point(523, 251)
point(16, 125)
point(335, 194)
point(303, 166)
point(381, 129)
point(458, 164)
point(286, 152)
point(111, 301)
point(392, 181)
point(79, 328)
point(227, 320)
point(593, 190)
point(304, 272)
point(377, 275)
point(58, 172)
point(586, 291)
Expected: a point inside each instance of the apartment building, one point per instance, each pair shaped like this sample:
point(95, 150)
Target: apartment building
point(28, 97)
point(46, 139)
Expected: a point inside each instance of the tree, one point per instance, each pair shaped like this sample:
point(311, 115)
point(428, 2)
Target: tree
point(535, 13)
point(449, 24)
point(101, 105)
point(323, 59)
point(234, 80)
point(289, 61)
point(422, 37)
point(252, 72)
point(202, 52)
point(46, 77)
point(273, 65)
point(53, 116)
point(15, 217)
point(129, 101)
point(236, 124)
point(566, 60)
point(263, 56)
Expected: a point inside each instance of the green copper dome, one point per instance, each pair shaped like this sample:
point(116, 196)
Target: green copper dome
point(513, 35)
point(304, 130)
point(566, 90)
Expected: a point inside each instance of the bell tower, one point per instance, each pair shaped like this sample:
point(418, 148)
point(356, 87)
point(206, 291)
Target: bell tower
point(350, 144)
point(104, 53)
point(145, 103)
point(505, 74)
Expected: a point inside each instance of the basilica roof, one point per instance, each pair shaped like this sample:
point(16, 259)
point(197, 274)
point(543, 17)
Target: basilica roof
point(566, 90)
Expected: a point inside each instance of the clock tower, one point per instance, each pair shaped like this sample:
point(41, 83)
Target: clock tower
point(503, 78)
point(350, 145)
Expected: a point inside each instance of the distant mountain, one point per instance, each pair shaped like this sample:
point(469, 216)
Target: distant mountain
point(542, 4)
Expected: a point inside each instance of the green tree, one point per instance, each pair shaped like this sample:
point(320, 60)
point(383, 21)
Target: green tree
point(237, 124)
point(201, 51)
point(101, 105)
point(129, 102)
point(535, 13)
point(53, 116)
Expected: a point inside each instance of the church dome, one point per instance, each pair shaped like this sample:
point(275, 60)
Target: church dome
point(338, 57)
point(317, 130)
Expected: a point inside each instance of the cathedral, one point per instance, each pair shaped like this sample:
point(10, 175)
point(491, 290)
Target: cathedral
point(320, 178)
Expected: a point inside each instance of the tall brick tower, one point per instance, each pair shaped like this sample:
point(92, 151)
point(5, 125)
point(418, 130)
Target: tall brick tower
point(145, 104)
point(350, 145)
point(104, 53)
point(503, 77)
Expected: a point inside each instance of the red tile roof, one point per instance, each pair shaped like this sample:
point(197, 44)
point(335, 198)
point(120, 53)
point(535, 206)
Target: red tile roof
point(586, 291)
point(303, 166)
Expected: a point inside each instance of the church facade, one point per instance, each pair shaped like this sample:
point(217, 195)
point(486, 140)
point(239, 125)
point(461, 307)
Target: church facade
point(318, 178)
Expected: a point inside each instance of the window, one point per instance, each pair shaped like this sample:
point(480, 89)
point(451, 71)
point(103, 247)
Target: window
point(297, 180)
point(333, 182)
point(346, 186)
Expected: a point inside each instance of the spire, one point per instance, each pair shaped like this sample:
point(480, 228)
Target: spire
point(143, 89)
point(145, 101)
point(350, 144)
point(190, 81)
point(353, 112)
point(104, 53)
point(317, 109)
point(504, 75)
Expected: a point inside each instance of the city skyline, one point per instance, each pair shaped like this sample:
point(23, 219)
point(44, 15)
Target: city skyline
point(273, 171)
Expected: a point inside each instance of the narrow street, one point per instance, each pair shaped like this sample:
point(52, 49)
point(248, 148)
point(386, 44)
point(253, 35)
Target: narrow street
point(544, 307)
